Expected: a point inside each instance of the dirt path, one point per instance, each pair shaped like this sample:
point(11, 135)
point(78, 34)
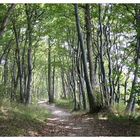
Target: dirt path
point(63, 123)
point(56, 111)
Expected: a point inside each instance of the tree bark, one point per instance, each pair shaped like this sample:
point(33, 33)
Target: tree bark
point(29, 56)
point(131, 102)
point(91, 98)
point(81, 86)
point(103, 74)
point(6, 18)
point(51, 100)
point(53, 80)
point(89, 43)
point(17, 35)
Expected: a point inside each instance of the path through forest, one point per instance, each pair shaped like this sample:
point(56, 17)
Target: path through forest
point(64, 123)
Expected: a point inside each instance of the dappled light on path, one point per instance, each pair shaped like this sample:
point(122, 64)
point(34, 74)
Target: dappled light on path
point(64, 123)
point(53, 119)
point(61, 113)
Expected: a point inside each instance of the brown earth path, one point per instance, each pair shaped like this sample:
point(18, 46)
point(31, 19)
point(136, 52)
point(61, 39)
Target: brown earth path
point(64, 123)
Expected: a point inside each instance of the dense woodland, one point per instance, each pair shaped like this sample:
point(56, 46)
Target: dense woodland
point(88, 54)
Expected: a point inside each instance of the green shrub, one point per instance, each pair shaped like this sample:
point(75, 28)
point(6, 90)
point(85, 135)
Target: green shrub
point(64, 103)
point(125, 118)
point(18, 119)
point(119, 109)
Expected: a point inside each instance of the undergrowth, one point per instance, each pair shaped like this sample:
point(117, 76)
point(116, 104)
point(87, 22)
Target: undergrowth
point(20, 120)
point(118, 114)
point(65, 103)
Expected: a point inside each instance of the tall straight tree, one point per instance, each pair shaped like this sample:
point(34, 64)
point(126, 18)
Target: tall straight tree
point(101, 62)
point(18, 59)
point(91, 98)
point(89, 43)
point(6, 18)
point(131, 102)
point(29, 56)
point(50, 93)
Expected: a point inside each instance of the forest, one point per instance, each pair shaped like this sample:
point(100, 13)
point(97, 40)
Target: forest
point(70, 69)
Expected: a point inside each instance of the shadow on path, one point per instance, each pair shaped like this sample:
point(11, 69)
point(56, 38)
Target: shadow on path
point(64, 123)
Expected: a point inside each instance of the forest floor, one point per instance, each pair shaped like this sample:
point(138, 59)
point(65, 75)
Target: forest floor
point(51, 120)
point(64, 123)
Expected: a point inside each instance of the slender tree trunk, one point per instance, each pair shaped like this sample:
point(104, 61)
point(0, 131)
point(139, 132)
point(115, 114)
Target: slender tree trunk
point(74, 90)
point(6, 64)
point(91, 98)
point(103, 74)
point(15, 79)
point(82, 89)
point(63, 84)
point(6, 18)
point(53, 80)
point(131, 102)
point(24, 72)
point(81, 85)
point(5, 74)
point(28, 92)
point(89, 43)
point(51, 99)
point(29, 56)
point(17, 35)
point(111, 102)
point(125, 87)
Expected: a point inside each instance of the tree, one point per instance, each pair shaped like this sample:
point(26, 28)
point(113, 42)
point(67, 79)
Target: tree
point(91, 98)
point(50, 91)
point(91, 63)
point(132, 99)
point(6, 18)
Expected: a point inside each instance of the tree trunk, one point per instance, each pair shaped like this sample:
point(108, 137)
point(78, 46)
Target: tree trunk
point(81, 85)
point(64, 96)
point(125, 86)
point(89, 43)
point(51, 99)
point(28, 91)
point(5, 74)
point(14, 81)
point(6, 18)
point(91, 98)
point(82, 89)
point(131, 102)
point(103, 74)
point(17, 35)
point(29, 56)
point(53, 80)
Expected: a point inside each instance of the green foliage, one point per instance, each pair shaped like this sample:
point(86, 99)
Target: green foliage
point(28, 112)
point(3, 9)
point(120, 118)
point(125, 119)
point(99, 97)
point(19, 120)
point(119, 109)
point(64, 103)
point(120, 115)
point(57, 21)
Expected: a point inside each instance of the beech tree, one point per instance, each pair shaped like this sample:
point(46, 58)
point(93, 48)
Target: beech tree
point(91, 56)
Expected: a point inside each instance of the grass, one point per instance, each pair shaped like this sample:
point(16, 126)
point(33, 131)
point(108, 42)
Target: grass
point(119, 115)
point(64, 103)
point(21, 120)
point(134, 120)
point(68, 104)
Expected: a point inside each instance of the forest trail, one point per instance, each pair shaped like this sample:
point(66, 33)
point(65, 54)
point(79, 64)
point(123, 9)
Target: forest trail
point(56, 111)
point(59, 123)
point(64, 123)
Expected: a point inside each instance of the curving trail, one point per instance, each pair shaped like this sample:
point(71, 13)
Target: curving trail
point(64, 123)
point(56, 111)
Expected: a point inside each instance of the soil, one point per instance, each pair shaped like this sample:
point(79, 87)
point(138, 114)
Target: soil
point(64, 123)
